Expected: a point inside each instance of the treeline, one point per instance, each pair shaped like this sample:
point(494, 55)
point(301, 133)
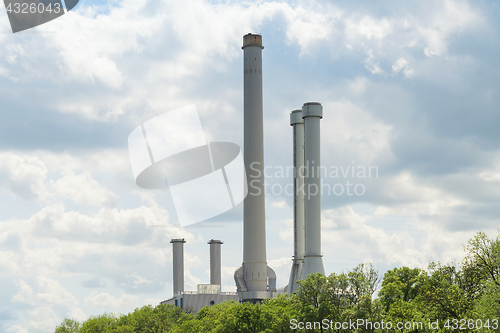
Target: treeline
point(451, 297)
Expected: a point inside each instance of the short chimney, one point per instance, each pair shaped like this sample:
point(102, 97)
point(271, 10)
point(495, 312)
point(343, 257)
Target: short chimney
point(178, 264)
point(312, 113)
point(215, 261)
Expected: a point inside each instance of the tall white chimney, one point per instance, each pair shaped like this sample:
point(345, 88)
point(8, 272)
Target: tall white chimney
point(215, 261)
point(178, 264)
point(313, 259)
point(298, 200)
point(252, 277)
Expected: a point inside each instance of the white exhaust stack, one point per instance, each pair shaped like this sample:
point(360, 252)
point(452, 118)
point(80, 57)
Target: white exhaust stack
point(255, 281)
point(298, 203)
point(178, 264)
point(313, 259)
point(215, 261)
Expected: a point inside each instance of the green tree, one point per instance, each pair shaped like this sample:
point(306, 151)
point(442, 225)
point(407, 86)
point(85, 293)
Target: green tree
point(277, 312)
point(338, 297)
point(162, 318)
point(481, 270)
point(310, 300)
point(104, 323)
point(484, 256)
point(214, 318)
point(400, 284)
point(68, 326)
point(229, 317)
point(481, 266)
point(488, 308)
point(444, 295)
point(362, 282)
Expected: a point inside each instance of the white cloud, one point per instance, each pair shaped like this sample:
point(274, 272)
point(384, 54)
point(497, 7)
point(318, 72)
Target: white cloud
point(371, 63)
point(26, 176)
point(105, 300)
point(16, 329)
point(50, 292)
point(152, 301)
point(287, 234)
point(23, 175)
point(416, 198)
point(453, 17)
point(347, 230)
point(55, 239)
point(308, 26)
point(402, 65)
point(278, 263)
point(441, 245)
point(92, 53)
point(25, 293)
point(5, 73)
point(115, 161)
point(94, 282)
point(83, 189)
point(279, 204)
point(97, 46)
point(43, 319)
point(358, 85)
point(430, 31)
point(490, 176)
point(191, 262)
point(367, 27)
point(138, 282)
point(354, 134)
point(227, 277)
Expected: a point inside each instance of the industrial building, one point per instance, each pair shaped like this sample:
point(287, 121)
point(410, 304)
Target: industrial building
point(255, 280)
point(207, 294)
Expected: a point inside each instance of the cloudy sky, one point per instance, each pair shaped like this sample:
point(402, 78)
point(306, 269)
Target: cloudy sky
point(408, 88)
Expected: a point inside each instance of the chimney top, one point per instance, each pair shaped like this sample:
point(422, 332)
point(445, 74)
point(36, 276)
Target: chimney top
point(177, 240)
point(252, 40)
point(296, 117)
point(312, 109)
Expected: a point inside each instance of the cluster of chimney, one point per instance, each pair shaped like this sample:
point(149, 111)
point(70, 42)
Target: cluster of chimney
point(255, 280)
point(307, 256)
point(178, 263)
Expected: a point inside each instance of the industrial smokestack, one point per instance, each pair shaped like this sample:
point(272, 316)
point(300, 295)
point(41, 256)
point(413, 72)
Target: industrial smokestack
point(313, 261)
point(252, 277)
point(298, 198)
point(178, 264)
point(215, 261)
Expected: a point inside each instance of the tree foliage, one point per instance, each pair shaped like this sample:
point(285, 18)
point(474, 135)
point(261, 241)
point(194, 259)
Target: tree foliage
point(441, 293)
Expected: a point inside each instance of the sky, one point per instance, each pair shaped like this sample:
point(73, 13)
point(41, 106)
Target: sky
point(408, 91)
